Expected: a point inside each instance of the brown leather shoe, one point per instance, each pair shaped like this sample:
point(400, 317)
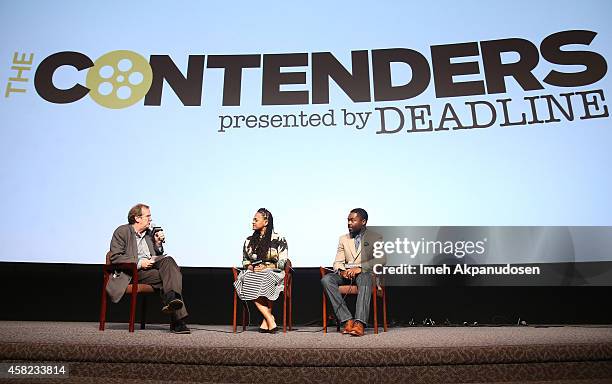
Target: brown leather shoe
point(357, 329)
point(348, 327)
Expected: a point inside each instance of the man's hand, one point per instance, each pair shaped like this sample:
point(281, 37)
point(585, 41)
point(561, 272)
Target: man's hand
point(159, 238)
point(146, 264)
point(351, 273)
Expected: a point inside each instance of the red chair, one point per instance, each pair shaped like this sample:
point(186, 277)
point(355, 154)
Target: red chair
point(378, 291)
point(107, 269)
point(287, 287)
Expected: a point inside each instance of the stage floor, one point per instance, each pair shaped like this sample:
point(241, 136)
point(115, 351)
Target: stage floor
point(304, 337)
point(570, 354)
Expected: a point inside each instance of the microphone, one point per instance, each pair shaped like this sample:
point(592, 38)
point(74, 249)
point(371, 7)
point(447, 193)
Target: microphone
point(154, 229)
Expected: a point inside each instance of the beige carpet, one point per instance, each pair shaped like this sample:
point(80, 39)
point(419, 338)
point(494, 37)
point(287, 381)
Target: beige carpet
point(569, 354)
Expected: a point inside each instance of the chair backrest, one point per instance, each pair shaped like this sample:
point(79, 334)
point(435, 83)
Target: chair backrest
point(288, 270)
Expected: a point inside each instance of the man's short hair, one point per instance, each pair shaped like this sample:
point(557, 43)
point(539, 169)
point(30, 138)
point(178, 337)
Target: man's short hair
point(361, 213)
point(135, 211)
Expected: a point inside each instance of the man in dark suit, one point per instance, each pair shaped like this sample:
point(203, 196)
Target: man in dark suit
point(134, 243)
point(353, 263)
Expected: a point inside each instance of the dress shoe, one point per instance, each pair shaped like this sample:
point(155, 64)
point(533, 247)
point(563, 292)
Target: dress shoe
point(348, 327)
point(172, 302)
point(273, 330)
point(357, 329)
point(179, 327)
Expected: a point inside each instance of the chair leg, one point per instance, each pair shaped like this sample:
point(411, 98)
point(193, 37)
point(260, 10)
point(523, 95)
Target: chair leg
point(134, 297)
point(290, 309)
point(384, 298)
point(143, 311)
point(324, 314)
point(133, 308)
point(285, 311)
point(234, 315)
point(374, 298)
point(244, 315)
point(103, 303)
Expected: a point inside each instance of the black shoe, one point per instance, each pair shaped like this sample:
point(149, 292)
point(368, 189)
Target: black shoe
point(273, 330)
point(173, 305)
point(179, 327)
point(172, 301)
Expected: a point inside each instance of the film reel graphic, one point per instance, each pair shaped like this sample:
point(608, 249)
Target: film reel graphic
point(119, 79)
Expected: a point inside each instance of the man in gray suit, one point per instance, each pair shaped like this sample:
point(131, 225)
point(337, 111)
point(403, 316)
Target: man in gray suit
point(353, 263)
point(134, 243)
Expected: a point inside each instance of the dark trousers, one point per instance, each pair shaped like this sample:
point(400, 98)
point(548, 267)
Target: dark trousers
point(165, 274)
point(331, 283)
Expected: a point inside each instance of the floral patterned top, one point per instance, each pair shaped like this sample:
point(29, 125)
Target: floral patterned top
point(277, 254)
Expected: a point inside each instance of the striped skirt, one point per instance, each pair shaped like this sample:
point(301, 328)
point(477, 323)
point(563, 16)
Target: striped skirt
point(251, 285)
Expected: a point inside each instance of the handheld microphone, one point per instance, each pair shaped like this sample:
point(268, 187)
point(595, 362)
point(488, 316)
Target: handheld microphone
point(154, 229)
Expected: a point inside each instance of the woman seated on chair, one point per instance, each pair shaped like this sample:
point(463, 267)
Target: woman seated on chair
point(264, 256)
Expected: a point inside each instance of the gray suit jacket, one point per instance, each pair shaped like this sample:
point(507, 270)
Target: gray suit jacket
point(124, 249)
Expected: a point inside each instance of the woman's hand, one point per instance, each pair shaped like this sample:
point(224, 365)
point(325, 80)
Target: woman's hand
point(250, 267)
point(259, 268)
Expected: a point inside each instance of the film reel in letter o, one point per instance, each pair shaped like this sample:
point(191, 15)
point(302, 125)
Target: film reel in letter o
point(119, 79)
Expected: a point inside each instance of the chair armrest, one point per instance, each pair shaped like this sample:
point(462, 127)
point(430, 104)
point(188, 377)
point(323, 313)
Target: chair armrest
point(378, 281)
point(121, 266)
point(129, 267)
point(323, 271)
point(288, 268)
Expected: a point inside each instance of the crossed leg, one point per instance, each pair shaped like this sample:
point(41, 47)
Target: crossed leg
point(264, 306)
